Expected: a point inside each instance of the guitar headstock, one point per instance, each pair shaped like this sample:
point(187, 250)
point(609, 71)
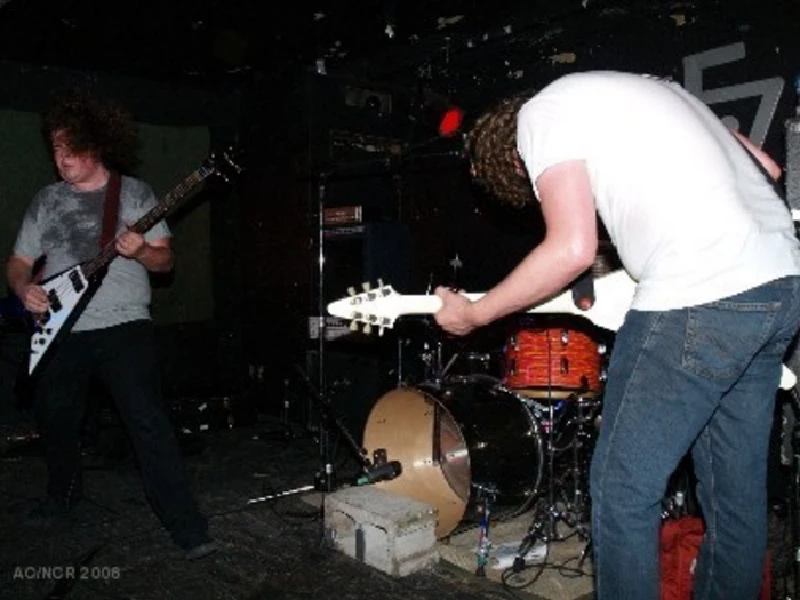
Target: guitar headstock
point(225, 163)
point(374, 308)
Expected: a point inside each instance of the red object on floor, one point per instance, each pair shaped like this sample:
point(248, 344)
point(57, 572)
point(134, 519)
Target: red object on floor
point(680, 544)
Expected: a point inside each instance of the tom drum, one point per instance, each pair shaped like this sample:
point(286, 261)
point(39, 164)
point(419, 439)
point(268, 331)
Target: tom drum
point(552, 360)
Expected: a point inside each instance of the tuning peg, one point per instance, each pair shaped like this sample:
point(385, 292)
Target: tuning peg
point(351, 291)
point(353, 325)
point(380, 331)
point(380, 282)
point(365, 286)
point(367, 329)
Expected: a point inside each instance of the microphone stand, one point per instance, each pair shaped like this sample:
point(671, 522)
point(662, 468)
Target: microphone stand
point(325, 479)
point(328, 414)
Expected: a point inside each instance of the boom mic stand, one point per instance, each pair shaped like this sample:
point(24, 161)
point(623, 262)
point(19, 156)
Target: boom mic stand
point(325, 478)
point(371, 470)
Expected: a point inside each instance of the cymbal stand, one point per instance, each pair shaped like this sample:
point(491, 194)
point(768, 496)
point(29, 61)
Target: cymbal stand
point(579, 506)
point(544, 525)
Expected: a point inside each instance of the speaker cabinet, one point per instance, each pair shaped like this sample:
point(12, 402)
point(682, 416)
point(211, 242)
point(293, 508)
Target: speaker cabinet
point(365, 253)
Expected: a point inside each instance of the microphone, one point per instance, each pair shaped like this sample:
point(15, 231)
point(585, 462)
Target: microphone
point(385, 472)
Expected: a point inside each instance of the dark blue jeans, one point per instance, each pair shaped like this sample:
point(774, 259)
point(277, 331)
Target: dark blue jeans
point(124, 360)
point(702, 379)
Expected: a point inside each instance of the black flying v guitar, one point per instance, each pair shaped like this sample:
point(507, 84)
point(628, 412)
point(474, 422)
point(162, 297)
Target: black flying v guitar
point(69, 292)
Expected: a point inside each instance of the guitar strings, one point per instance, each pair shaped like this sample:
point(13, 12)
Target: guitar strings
point(177, 193)
point(165, 206)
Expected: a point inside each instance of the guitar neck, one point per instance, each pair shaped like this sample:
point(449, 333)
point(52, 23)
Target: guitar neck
point(614, 294)
point(153, 216)
point(427, 305)
point(430, 304)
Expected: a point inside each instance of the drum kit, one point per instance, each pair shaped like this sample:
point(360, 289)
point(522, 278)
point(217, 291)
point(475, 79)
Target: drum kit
point(507, 432)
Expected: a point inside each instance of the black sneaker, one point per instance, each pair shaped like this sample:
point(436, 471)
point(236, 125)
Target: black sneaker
point(201, 550)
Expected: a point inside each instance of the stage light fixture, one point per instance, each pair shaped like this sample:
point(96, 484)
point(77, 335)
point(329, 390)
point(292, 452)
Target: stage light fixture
point(451, 121)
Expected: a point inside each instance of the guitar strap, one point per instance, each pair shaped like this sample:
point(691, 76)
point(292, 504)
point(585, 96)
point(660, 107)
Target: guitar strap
point(111, 209)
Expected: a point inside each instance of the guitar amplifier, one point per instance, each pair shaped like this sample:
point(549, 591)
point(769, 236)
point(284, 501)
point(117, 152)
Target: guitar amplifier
point(365, 252)
point(793, 162)
point(334, 328)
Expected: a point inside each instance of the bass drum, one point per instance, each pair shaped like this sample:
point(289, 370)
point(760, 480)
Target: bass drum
point(454, 440)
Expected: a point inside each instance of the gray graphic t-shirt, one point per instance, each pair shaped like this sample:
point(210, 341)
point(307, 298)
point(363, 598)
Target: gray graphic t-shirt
point(65, 226)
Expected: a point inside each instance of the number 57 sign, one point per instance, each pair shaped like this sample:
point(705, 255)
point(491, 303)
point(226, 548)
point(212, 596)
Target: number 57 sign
point(768, 90)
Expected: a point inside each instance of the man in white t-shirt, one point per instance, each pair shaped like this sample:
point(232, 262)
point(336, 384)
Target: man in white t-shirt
point(696, 222)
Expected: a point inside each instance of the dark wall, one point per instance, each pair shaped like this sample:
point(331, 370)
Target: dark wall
point(199, 352)
point(739, 57)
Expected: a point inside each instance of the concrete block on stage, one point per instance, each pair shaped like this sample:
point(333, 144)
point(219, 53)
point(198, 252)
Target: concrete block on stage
point(391, 533)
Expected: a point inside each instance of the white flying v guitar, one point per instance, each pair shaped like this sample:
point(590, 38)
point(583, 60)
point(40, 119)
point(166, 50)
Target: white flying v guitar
point(69, 292)
point(379, 308)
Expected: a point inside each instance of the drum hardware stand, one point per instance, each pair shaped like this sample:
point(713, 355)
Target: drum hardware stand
point(579, 499)
point(546, 516)
point(795, 492)
point(433, 363)
point(286, 431)
point(583, 531)
point(535, 532)
point(456, 263)
point(544, 525)
point(487, 495)
point(585, 553)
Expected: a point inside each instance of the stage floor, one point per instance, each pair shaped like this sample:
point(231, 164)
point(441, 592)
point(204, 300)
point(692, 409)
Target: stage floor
point(270, 550)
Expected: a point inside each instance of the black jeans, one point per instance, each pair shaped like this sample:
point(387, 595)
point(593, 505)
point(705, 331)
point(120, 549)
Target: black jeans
point(124, 360)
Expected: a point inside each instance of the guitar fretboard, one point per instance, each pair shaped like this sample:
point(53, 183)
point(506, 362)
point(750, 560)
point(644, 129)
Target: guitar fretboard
point(153, 216)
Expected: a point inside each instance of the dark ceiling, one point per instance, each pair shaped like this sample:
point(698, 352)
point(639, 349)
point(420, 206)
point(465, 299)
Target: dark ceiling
point(209, 39)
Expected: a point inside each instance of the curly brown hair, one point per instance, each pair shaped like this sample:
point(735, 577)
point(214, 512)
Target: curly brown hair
point(93, 124)
point(493, 151)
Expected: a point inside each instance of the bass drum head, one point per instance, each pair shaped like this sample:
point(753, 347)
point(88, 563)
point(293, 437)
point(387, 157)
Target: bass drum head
point(454, 440)
point(502, 437)
point(403, 423)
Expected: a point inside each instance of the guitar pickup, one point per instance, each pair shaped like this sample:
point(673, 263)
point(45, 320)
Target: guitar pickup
point(54, 301)
point(76, 281)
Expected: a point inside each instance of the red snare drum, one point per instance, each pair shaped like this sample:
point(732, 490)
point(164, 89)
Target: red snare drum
point(552, 362)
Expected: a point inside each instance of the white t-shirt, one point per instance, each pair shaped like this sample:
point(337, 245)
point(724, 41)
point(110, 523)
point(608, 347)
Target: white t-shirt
point(693, 219)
